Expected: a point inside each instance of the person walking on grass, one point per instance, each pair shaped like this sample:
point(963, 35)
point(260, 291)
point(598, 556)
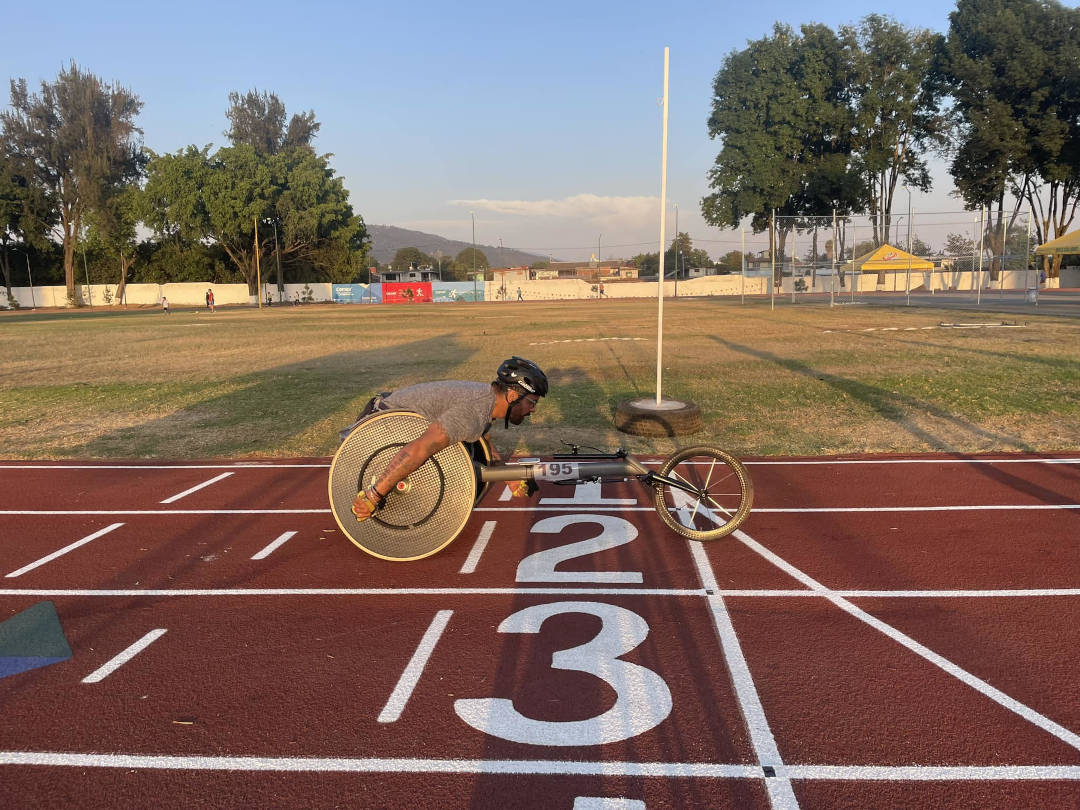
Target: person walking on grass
point(458, 411)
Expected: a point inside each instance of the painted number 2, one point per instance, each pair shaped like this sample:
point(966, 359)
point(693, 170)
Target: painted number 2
point(643, 699)
point(540, 567)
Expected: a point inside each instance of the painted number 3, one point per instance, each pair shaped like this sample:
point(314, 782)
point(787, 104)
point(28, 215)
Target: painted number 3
point(643, 699)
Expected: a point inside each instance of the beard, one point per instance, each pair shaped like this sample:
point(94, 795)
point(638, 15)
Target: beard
point(516, 415)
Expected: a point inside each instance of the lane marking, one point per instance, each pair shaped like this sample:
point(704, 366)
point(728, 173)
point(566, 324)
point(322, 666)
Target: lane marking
point(1026, 712)
point(109, 668)
point(414, 669)
point(650, 462)
point(740, 593)
point(631, 591)
point(607, 803)
point(239, 465)
point(266, 552)
point(478, 547)
point(781, 793)
point(702, 770)
point(196, 488)
point(64, 550)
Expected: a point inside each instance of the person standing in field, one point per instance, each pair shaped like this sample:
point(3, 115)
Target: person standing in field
point(210, 300)
point(165, 305)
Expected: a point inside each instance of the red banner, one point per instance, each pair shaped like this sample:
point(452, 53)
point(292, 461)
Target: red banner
point(413, 292)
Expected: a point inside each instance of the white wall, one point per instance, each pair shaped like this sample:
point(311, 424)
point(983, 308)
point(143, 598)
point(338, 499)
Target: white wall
point(193, 294)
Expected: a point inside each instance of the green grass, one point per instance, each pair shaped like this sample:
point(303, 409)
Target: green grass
point(801, 380)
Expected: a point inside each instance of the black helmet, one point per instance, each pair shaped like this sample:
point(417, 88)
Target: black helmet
point(523, 374)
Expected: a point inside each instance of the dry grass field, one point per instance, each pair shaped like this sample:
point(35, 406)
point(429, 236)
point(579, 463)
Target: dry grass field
point(800, 380)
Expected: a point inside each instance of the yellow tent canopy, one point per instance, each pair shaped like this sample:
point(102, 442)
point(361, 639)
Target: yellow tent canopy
point(1063, 245)
point(887, 257)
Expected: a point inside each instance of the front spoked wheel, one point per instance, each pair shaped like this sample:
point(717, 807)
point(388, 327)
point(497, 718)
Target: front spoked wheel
point(703, 493)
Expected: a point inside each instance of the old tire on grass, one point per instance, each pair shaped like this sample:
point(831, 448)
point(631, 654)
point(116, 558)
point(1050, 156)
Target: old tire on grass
point(642, 417)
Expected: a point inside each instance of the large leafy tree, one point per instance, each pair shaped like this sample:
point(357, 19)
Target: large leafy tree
point(77, 141)
point(782, 110)
point(1010, 66)
point(896, 101)
point(226, 196)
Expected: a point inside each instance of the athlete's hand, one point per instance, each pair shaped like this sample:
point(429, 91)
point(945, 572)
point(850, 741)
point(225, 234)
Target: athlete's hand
point(364, 505)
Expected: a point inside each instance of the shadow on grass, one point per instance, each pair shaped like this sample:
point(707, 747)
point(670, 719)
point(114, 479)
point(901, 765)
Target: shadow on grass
point(888, 405)
point(894, 407)
point(271, 407)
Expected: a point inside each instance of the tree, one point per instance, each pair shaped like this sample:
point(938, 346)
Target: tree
point(781, 108)
point(77, 140)
point(258, 120)
point(193, 195)
point(897, 118)
point(408, 257)
point(1010, 66)
point(732, 261)
point(471, 258)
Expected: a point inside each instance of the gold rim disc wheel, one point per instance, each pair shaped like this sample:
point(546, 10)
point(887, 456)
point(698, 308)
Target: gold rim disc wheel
point(721, 497)
point(417, 519)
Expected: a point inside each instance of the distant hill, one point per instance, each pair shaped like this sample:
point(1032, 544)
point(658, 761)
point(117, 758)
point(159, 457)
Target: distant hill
point(388, 240)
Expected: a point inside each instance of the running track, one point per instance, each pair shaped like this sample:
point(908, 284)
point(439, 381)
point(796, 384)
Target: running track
point(883, 632)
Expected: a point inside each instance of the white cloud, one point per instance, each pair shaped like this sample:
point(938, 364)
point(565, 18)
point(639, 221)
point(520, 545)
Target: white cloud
point(587, 207)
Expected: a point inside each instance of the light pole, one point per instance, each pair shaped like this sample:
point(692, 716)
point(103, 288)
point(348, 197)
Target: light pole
point(472, 214)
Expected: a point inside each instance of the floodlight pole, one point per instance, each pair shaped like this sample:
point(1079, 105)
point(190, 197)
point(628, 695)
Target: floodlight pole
point(663, 211)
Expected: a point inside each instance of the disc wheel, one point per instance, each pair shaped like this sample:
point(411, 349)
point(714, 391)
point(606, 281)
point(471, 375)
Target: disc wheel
point(717, 499)
point(424, 513)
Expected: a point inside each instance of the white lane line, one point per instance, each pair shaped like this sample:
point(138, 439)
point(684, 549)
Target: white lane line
point(979, 685)
point(761, 510)
point(726, 593)
point(814, 462)
point(240, 465)
point(478, 547)
point(266, 552)
point(628, 591)
point(607, 803)
point(138, 512)
point(65, 550)
point(702, 770)
point(104, 672)
point(781, 794)
point(196, 488)
point(415, 668)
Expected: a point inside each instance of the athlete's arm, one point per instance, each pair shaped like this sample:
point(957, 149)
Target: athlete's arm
point(408, 458)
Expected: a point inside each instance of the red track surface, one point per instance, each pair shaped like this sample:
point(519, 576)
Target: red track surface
point(883, 632)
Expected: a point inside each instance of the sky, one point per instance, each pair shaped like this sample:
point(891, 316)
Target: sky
point(539, 123)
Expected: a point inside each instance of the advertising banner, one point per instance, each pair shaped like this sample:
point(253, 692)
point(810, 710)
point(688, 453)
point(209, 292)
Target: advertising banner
point(356, 293)
point(449, 291)
point(406, 292)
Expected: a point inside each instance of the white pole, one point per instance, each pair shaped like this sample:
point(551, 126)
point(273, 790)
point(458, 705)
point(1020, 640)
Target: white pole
point(907, 283)
point(832, 282)
point(772, 263)
point(978, 295)
point(1027, 258)
point(742, 289)
point(663, 210)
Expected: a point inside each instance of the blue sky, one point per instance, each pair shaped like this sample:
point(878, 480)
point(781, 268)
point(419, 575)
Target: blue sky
point(542, 118)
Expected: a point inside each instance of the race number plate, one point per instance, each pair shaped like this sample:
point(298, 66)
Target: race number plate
point(556, 471)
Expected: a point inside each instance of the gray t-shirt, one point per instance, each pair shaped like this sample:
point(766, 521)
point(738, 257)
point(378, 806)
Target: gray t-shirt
point(462, 408)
